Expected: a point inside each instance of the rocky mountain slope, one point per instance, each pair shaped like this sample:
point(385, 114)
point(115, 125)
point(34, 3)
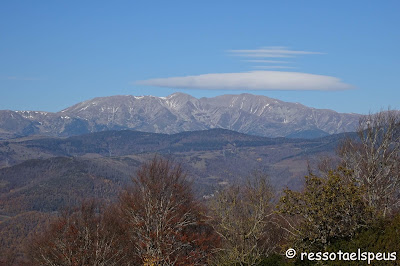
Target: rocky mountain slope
point(178, 112)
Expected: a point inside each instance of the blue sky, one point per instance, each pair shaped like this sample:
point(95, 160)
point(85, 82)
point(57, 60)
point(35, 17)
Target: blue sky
point(340, 55)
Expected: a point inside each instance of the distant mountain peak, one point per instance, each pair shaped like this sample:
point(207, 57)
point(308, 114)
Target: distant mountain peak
point(178, 94)
point(178, 112)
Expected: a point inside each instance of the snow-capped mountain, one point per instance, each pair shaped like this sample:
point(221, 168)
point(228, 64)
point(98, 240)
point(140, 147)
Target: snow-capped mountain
point(246, 113)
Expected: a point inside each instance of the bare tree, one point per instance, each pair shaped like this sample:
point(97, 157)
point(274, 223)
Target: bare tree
point(82, 236)
point(375, 159)
point(243, 215)
point(163, 220)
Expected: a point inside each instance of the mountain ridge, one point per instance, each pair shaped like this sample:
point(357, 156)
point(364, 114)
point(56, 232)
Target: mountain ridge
point(178, 112)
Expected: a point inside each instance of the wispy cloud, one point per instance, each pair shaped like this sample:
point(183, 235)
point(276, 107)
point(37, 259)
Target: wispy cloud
point(270, 55)
point(254, 80)
point(262, 79)
point(268, 61)
point(273, 67)
point(270, 52)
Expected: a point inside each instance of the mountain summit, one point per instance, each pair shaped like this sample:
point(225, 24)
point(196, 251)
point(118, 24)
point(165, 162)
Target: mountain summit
point(246, 113)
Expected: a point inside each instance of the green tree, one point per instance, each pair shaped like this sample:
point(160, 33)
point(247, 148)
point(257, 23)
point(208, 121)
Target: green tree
point(328, 208)
point(383, 236)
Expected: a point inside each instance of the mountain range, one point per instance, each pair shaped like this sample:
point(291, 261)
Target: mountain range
point(49, 161)
point(179, 112)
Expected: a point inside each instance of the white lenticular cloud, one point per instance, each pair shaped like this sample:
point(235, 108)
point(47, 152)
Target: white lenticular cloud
point(254, 80)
